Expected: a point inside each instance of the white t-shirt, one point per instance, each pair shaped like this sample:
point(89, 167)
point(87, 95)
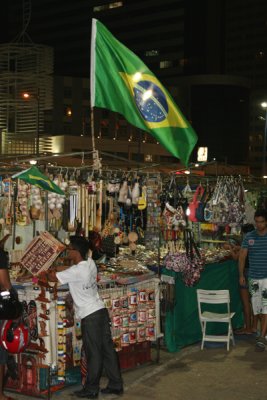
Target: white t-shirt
point(83, 287)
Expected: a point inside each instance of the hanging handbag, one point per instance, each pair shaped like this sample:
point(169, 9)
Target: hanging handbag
point(195, 202)
point(108, 246)
point(189, 263)
point(10, 306)
point(200, 211)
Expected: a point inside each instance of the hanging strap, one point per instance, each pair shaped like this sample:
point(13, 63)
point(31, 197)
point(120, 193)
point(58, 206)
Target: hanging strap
point(190, 244)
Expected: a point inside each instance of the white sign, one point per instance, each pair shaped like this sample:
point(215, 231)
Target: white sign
point(202, 154)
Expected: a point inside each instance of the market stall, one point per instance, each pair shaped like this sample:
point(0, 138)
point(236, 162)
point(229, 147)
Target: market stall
point(120, 219)
point(138, 224)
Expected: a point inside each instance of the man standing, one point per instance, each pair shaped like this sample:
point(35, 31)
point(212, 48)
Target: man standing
point(254, 246)
point(95, 323)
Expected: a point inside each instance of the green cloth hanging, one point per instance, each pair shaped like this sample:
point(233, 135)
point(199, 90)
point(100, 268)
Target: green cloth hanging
point(182, 326)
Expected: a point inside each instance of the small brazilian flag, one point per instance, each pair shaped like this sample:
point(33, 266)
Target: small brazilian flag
point(36, 178)
point(121, 82)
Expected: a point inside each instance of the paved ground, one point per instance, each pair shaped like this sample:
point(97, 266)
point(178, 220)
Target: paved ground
point(192, 374)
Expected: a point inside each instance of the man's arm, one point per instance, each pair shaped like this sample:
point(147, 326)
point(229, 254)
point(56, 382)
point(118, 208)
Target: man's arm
point(5, 279)
point(51, 274)
point(241, 265)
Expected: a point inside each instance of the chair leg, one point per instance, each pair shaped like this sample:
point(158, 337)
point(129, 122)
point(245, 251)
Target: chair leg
point(232, 335)
point(203, 325)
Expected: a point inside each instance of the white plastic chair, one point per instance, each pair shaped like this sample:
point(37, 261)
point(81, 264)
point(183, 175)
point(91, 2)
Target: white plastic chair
point(215, 297)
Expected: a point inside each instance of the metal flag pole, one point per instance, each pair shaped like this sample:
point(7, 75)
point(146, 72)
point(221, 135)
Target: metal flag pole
point(96, 160)
point(93, 129)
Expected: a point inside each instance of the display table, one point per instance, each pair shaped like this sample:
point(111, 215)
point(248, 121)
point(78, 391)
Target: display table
point(182, 326)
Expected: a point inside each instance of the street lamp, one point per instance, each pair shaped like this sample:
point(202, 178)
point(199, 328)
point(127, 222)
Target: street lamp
point(264, 106)
point(28, 96)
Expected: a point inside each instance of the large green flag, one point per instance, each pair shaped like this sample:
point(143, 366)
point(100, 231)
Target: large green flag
point(36, 178)
point(121, 82)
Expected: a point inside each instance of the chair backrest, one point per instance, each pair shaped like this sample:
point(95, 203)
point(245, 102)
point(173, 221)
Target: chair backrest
point(213, 297)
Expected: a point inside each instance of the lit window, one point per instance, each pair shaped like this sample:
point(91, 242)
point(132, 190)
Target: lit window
point(152, 53)
point(67, 111)
point(148, 158)
point(260, 54)
point(116, 4)
point(104, 7)
point(165, 64)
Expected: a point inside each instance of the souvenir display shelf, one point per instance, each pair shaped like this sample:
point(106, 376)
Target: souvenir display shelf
point(54, 359)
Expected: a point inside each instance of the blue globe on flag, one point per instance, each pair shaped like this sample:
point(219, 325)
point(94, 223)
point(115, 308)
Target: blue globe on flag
point(151, 101)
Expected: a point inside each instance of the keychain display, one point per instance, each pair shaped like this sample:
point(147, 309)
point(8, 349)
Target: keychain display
point(132, 315)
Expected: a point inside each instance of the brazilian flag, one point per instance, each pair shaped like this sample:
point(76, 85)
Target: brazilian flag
point(121, 82)
point(36, 178)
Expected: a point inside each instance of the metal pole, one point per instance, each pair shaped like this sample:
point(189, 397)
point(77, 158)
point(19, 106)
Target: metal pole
point(15, 195)
point(264, 146)
point(93, 129)
point(37, 123)
point(46, 211)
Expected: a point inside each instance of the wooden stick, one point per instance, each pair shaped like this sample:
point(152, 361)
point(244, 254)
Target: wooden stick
point(91, 218)
point(86, 211)
point(83, 206)
point(94, 210)
point(78, 203)
point(99, 210)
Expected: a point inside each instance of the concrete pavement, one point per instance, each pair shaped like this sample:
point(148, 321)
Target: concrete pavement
point(192, 374)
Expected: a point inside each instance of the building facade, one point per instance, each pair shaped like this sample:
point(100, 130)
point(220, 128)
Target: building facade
point(184, 43)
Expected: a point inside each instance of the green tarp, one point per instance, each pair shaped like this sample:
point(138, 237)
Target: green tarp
point(182, 326)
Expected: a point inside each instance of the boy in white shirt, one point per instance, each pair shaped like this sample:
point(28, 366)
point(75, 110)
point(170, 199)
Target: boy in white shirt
point(95, 323)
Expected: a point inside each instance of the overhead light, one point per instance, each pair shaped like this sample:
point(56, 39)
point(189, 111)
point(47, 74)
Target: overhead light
point(69, 112)
point(33, 162)
point(264, 176)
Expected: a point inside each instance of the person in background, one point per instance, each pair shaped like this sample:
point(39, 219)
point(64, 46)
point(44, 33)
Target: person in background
point(95, 323)
point(254, 246)
point(250, 320)
point(5, 284)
